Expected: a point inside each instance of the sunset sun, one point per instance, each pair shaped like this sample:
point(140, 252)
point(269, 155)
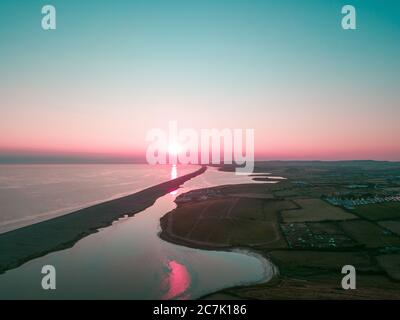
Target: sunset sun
point(174, 149)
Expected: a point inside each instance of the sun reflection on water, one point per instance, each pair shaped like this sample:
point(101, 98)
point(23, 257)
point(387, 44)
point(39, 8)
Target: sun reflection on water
point(177, 281)
point(174, 175)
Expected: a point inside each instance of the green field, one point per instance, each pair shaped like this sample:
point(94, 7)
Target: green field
point(381, 211)
point(315, 210)
point(226, 222)
point(391, 264)
point(369, 234)
point(392, 225)
point(296, 262)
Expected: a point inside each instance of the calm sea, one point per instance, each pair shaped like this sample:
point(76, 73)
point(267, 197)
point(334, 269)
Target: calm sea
point(33, 193)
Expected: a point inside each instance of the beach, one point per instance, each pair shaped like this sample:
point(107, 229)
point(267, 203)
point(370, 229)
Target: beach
point(21, 245)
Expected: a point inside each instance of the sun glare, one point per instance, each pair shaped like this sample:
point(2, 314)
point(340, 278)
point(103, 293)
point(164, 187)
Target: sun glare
point(174, 149)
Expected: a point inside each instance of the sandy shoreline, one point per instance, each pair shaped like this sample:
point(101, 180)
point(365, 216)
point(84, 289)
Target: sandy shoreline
point(271, 274)
point(268, 264)
point(24, 244)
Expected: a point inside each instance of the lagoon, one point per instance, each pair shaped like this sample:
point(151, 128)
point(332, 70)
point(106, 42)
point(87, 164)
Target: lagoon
point(128, 260)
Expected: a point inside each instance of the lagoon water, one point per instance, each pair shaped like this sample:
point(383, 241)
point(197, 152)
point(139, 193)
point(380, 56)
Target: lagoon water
point(128, 260)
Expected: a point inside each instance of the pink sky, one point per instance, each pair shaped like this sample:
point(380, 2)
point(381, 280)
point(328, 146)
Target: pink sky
point(301, 125)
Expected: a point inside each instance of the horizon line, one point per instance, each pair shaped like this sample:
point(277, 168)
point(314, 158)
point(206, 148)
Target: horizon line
point(23, 161)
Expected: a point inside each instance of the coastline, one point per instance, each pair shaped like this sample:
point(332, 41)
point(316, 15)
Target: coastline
point(33, 241)
point(271, 269)
point(229, 293)
point(249, 251)
point(227, 218)
point(254, 218)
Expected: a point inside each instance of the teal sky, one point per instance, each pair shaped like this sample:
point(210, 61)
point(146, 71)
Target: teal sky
point(114, 69)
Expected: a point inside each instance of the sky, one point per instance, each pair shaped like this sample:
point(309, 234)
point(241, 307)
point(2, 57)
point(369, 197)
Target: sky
point(113, 70)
